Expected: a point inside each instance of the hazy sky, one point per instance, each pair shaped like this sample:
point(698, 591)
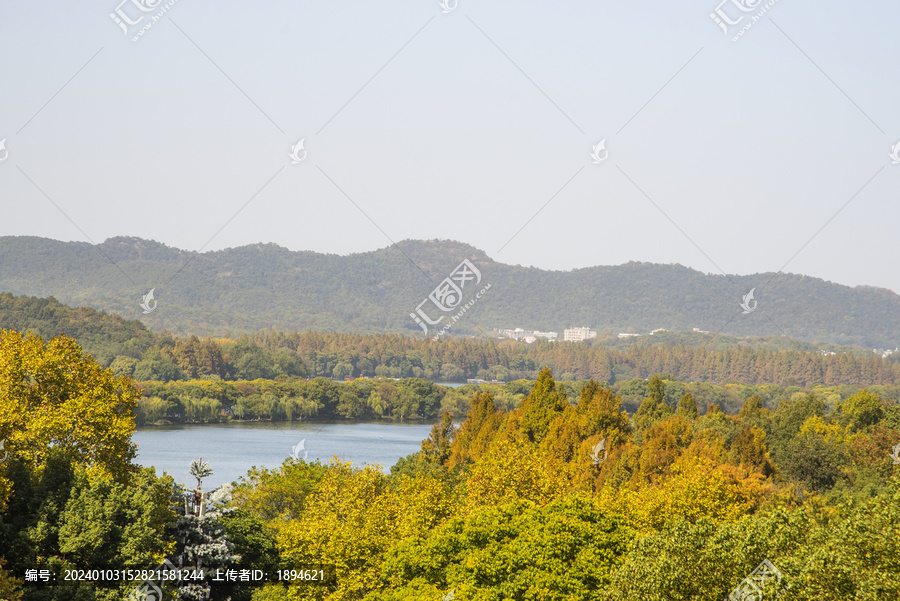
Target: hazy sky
point(463, 125)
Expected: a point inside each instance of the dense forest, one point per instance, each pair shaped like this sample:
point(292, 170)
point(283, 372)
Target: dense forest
point(128, 348)
point(565, 495)
point(246, 289)
point(208, 401)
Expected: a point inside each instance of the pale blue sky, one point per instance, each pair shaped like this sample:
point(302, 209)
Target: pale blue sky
point(484, 115)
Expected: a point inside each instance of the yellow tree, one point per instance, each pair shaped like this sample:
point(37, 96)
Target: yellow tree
point(350, 521)
point(53, 396)
point(697, 488)
point(513, 471)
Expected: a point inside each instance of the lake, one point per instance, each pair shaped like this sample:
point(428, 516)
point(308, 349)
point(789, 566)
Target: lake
point(233, 448)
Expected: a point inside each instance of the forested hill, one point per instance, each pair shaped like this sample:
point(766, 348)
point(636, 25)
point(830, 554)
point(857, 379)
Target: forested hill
point(263, 286)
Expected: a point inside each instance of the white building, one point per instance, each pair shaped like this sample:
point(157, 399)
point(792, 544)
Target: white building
point(527, 336)
point(576, 334)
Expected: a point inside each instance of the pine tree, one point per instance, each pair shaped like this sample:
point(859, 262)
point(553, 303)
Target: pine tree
point(654, 407)
point(436, 447)
point(752, 409)
point(201, 541)
point(687, 407)
point(541, 406)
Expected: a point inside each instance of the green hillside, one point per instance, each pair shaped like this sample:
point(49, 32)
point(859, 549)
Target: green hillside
point(263, 286)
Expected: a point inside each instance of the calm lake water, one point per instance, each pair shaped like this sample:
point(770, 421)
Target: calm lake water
point(234, 448)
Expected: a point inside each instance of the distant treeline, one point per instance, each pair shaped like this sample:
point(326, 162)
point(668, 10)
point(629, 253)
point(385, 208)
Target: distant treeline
point(291, 399)
point(335, 355)
point(128, 348)
point(214, 400)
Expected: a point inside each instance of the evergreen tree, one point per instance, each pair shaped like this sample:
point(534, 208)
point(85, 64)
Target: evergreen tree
point(600, 412)
point(687, 407)
point(752, 409)
point(436, 447)
point(201, 539)
point(539, 408)
point(654, 407)
point(475, 434)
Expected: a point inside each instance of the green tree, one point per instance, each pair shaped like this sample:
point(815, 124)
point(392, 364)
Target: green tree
point(437, 447)
point(541, 406)
point(478, 430)
point(278, 494)
point(654, 407)
point(862, 410)
point(752, 410)
point(566, 550)
point(687, 407)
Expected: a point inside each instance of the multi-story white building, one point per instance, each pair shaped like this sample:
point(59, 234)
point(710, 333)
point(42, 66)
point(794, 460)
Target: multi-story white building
point(527, 335)
point(575, 334)
point(517, 334)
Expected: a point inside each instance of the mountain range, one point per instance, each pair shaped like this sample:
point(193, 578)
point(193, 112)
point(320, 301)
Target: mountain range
point(263, 286)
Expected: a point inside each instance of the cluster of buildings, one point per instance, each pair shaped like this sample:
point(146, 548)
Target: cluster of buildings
point(528, 336)
point(569, 334)
point(630, 335)
point(572, 334)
